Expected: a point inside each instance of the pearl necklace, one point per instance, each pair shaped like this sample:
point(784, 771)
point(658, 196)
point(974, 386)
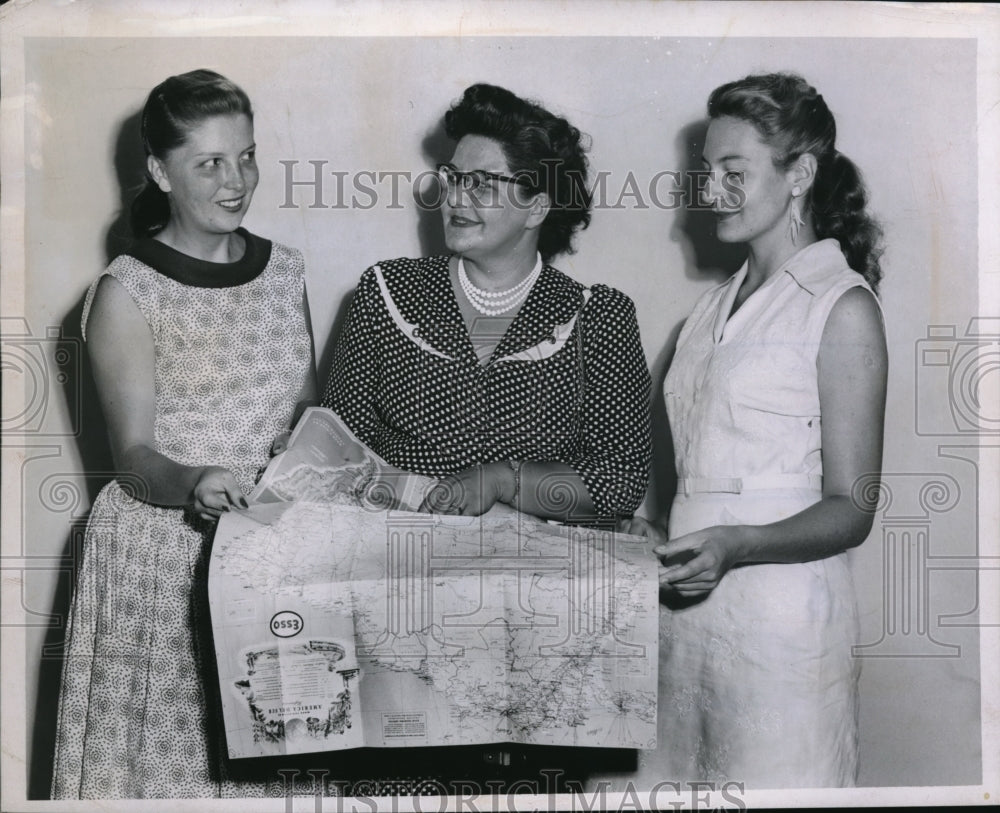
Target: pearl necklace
point(493, 303)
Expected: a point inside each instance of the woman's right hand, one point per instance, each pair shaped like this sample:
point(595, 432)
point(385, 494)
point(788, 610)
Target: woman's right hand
point(215, 492)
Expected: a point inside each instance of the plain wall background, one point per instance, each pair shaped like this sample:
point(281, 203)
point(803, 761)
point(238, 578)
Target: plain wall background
point(906, 113)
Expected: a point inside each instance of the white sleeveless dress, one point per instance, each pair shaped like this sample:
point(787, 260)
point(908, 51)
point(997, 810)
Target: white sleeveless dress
point(134, 721)
point(756, 682)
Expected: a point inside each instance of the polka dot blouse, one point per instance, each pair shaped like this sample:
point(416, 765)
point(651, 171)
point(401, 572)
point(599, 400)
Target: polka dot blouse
point(567, 382)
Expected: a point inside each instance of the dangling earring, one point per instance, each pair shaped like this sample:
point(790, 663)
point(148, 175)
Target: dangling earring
point(795, 221)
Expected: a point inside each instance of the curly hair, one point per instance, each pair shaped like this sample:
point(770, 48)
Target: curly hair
point(793, 119)
point(537, 144)
point(173, 109)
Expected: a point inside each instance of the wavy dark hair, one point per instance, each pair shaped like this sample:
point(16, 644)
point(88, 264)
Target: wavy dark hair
point(538, 144)
point(173, 109)
point(793, 119)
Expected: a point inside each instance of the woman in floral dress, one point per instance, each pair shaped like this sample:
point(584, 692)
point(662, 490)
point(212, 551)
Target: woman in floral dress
point(200, 346)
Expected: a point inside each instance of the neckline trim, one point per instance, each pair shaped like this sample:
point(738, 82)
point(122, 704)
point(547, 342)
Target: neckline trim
point(197, 273)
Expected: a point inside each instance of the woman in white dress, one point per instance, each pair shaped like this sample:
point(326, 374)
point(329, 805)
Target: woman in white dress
point(776, 399)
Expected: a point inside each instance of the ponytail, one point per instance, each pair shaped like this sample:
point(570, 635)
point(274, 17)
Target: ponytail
point(793, 118)
point(150, 211)
point(838, 204)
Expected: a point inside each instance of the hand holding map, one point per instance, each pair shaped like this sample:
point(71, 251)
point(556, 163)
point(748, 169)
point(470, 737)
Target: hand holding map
point(340, 624)
point(324, 462)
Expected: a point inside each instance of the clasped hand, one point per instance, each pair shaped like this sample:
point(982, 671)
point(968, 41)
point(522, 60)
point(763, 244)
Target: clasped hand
point(469, 493)
point(691, 565)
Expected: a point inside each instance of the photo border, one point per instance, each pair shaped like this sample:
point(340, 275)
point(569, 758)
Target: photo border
point(186, 18)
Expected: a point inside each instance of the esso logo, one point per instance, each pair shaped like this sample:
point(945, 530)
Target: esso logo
point(286, 624)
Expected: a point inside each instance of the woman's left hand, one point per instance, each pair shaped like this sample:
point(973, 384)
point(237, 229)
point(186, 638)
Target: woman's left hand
point(694, 564)
point(280, 442)
point(470, 493)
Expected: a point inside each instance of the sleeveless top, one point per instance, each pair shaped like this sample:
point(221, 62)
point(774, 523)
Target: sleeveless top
point(229, 338)
point(738, 412)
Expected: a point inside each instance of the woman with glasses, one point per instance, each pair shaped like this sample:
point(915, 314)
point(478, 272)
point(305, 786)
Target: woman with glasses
point(487, 367)
point(493, 371)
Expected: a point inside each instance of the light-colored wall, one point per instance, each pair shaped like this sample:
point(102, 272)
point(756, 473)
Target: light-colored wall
point(906, 112)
